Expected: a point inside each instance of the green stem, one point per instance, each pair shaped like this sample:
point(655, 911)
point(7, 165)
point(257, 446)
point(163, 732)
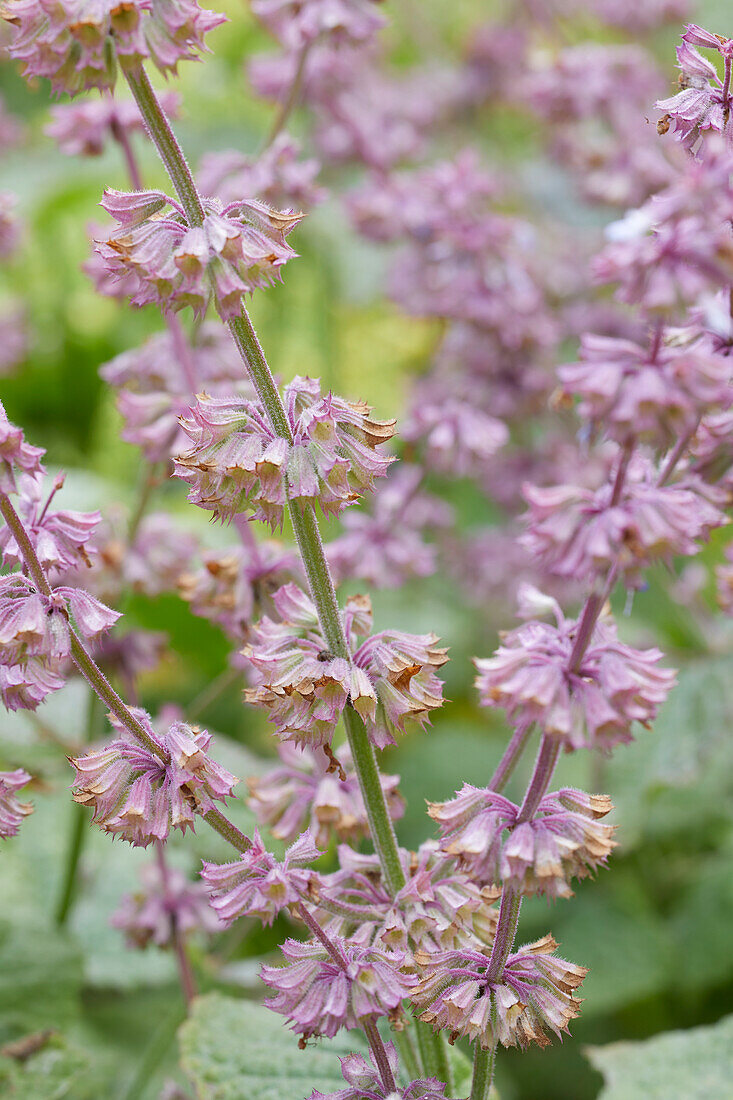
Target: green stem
point(408, 1057)
point(433, 1055)
point(483, 1073)
point(96, 678)
point(79, 826)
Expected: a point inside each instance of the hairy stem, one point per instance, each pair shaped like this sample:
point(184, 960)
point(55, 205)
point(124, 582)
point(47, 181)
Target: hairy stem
point(483, 1073)
point(509, 760)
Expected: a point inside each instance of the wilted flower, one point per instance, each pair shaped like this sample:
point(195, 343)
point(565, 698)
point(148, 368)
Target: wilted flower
point(237, 248)
point(364, 1082)
point(318, 790)
point(389, 680)
point(141, 796)
point(534, 992)
point(238, 463)
point(12, 811)
point(257, 884)
point(166, 903)
point(592, 705)
point(76, 44)
point(563, 839)
point(319, 995)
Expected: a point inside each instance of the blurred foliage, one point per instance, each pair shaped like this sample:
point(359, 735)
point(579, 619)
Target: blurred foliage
point(653, 930)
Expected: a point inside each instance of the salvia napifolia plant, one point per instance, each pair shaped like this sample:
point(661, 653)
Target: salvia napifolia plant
point(415, 950)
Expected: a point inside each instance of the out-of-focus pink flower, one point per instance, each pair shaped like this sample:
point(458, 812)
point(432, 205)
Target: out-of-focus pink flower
point(76, 45)
point(458, 439)
point(534, 993)
point(166, 904)
point(239, 464)
point(592, 705)
point(12, 811)
point(319, 791)
point(578, 532)
point(389, 681)
point(239, 247)
point(10, 230)
point(13, 339)
point(141, 796)
point(257, 884)
point(295, 23)
point(320, 996)
point(277, 177)
point(86, 127)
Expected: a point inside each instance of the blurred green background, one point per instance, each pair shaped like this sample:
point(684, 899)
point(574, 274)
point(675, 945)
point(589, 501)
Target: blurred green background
point(654, 929)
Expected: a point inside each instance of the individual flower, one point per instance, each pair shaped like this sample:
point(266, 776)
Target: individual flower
point(85, 128)
point(313, 789)
point(563, 840)
point(532, 994)
point(704, 100)
point(60, 538)
point(76, 44)
point(296, 23)
point(257, 884)
point(236, 249)
point(238, 463)
point(458, 439)
point(12, 811)
point(320, 995)
point(140, 795)
point(33, 624)
point(656, 394)
point(23, 686)
point(364, 1082)
point(592, 703)
point(166, 904)
point(16, 456)
point(276, 177)
point(579, 532)
point(389, 680)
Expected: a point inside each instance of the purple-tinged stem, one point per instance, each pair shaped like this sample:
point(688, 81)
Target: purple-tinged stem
point(512, 753)
point(185, 973)
point(506, 930)
point(182, 349)
point(725, 94)
point(674, 456)
point(96, 678)
point(288, 105)
point(547, 757)
point(368, 1024)
point(123, 140)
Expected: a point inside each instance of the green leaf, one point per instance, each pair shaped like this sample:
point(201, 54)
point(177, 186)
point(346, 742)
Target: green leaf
point(40, 979)
point(677, 1065)
point(53, 1073)
point(233, 1050)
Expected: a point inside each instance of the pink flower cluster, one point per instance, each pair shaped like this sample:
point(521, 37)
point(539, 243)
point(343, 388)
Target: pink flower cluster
point(12, 810)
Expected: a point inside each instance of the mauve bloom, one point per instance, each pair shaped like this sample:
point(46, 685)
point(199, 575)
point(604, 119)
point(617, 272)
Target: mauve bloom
point(23, 686)
point(76, 44)
point(257, 884)
point(457, 438)
point(656, 394)
point(276, 177)
point(591, 706)
point(16, 456)
point(14, 339)
point(239, 464)
point(704, 101)
point(61, 539)
point(35, 625)
point(578, 532)
point(364, 1082)
point(533, 993)
point(141, 796)
point(389, 680)
point(563, 840)
point(10, 231)
point(166, 903)
point(385, 545)
point(86, 127)
point(238, 248)
point(313, 789)
point(296, 23)
point(12, 811)
point(439, 907)
point(320, 996)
